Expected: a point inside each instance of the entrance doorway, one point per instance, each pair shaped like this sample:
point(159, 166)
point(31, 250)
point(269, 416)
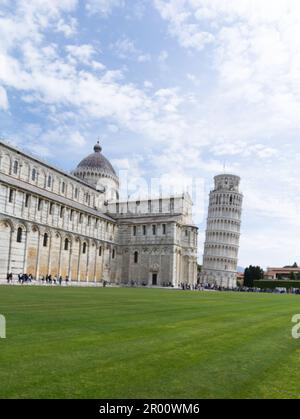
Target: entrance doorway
point(154, 279)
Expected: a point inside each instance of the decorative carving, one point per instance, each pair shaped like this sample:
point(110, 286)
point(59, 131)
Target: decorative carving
point(155, 267)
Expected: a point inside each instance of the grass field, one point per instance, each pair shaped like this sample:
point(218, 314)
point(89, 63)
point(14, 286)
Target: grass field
point(144, 343)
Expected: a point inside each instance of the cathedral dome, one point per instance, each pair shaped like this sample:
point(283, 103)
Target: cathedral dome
point(96, 170)
point(96, 161)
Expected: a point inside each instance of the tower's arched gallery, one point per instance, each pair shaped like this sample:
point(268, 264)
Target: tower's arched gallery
point(74, 225)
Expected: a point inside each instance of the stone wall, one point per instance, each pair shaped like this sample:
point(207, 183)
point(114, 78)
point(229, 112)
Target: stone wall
point(50, 228)
point(158, 250)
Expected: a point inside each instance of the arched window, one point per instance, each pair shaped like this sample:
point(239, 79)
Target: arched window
point(33, 175)
point(27, 199)
point(45, 241)
point(19, 235)
point(16, 167)
point(49, 182)
point(136, 257)
point(11, 196)
point(84, 248)
point(66, 244)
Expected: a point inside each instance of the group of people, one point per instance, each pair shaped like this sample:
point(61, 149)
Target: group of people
point(21, 278)
point(27, 278)
point(189, 287)
point(56, 279)
point(277, 290)
point(44, 279)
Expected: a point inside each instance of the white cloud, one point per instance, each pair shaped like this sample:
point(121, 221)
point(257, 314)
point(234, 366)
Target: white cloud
point(47, 77)
point(103, 7)
point(255, 47)
point(77, 139)
point(148, 84)
point(82, 53)
point(143, 58)
point(181, 26)
point(124, 47)
point(68, 28)
point(193, 78)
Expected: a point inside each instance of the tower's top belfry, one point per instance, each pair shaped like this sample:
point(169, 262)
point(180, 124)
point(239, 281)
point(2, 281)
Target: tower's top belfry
point(227, 182)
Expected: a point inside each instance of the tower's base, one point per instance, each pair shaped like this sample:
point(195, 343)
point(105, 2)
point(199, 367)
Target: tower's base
point(219, 278)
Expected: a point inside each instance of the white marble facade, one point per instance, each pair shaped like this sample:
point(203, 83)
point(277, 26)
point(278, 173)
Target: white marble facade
point(53, 222)
point(223, 232)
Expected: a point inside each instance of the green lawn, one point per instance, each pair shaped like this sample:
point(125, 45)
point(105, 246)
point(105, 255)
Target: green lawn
point(142, 343)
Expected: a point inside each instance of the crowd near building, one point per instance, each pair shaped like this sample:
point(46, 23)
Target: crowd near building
point(73, 225)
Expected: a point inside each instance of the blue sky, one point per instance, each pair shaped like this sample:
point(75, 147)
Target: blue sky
point(173, 88)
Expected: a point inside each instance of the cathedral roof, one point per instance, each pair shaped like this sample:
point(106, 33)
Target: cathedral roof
point(96, 161)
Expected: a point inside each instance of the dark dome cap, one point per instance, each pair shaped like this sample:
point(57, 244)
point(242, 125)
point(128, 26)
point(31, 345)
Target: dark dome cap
point(98, 148)
point(97, 161)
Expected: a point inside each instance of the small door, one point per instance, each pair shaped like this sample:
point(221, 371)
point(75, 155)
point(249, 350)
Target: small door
point(154, 279)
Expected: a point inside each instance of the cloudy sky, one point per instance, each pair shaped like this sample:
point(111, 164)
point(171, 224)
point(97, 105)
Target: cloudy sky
point(173, 88)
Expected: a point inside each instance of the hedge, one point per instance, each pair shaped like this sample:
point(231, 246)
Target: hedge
point(277, 284)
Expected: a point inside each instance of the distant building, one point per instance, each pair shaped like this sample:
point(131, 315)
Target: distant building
point(281, 273)
point(240, 278)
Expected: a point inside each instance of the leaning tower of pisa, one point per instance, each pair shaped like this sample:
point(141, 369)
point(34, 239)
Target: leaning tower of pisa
point(223, 232)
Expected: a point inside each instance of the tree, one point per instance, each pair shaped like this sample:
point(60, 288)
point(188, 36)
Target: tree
point(251, 274)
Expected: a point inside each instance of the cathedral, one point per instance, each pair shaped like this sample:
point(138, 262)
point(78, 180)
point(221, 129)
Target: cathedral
point(74, 225)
